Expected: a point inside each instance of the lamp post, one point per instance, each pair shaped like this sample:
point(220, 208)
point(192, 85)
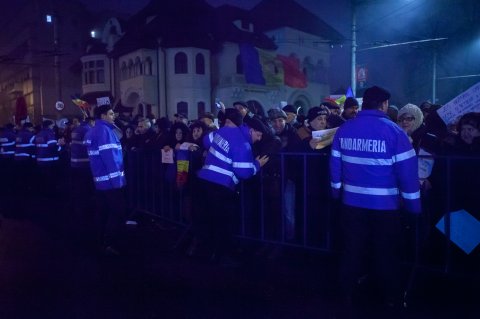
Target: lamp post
point(53, 19)
point(353, 83)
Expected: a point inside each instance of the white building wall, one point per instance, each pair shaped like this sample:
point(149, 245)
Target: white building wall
point(231, 87)
point(140, 88)
point(190, 87)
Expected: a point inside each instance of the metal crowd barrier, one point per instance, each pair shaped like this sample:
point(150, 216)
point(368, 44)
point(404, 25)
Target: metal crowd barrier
point(288, 204)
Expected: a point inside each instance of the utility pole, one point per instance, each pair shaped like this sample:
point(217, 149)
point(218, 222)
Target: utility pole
point(53, 19)
point(56, 48)
point(353, 83)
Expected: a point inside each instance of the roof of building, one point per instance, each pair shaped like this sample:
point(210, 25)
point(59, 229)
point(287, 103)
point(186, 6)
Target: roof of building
point(289, 13)
point(170, 24)
point(194, 23)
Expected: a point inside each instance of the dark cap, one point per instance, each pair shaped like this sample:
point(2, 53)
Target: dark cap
point(289, 108)
point(47, 123)
point(350, 102)
point(234, 115)
point(243, 104)
point(180, 115)
point(276, 113)
point(254, 123)
point(207, 115)
point(375, 95)
point(316, 111)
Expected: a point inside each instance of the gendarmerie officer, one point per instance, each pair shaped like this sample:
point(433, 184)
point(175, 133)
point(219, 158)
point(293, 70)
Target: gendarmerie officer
point(374, 170)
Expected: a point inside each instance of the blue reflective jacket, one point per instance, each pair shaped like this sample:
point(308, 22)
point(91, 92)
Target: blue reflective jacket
point(47, 149)
point(7, 144)
point(373, 162)
point(229, 157)
point(105, 153)
point(25, 145)
point(78, 149)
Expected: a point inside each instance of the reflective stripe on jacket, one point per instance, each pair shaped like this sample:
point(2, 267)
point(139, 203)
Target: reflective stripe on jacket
point(373, 162)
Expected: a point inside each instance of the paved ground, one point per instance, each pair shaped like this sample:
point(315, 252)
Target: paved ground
point(46, 273)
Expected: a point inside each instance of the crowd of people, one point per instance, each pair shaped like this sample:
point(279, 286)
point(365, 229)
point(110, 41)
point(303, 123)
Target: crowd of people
point(289, 162)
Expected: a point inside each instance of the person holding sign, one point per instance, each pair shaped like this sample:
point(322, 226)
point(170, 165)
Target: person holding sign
point(373, 168)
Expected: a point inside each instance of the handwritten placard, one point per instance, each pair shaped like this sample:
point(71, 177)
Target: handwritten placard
point(468, 101)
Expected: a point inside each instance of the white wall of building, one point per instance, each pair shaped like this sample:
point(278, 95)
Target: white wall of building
point(188, 87)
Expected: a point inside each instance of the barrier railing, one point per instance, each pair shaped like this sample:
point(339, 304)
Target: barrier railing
point(288, 203)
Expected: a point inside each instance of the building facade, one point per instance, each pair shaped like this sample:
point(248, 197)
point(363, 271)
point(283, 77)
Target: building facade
point(161, 65)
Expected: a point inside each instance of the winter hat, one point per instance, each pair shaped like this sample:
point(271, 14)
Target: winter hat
point(276, 113)
point(207, 115)
point(316, 111)
point(289, 108)
point(47, 123)
point(255, 123)
point(234, 116)
point(374, 96)
point(412, 110)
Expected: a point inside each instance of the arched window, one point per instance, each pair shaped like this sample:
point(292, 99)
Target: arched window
point(182, 107)
point(138, 66)
point(124, 71)
point(239, 64)
point(130, 68)
point(148, 66)
point(200, 108)
point(181, 63)
point(199, 64)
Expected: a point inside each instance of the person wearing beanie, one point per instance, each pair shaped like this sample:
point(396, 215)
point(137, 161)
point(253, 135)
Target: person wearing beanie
point(276, 113)
point(392, 113)
point(291, 116)
point(373, 170)
point(106, 164)
point(209, 120)
point(332, 106)
point(316, 119)
point(229, 159)
point(350, 108)
point(410, 118)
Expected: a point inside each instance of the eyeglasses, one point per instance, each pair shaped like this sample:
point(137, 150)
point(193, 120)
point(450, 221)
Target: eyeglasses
point(406, 118)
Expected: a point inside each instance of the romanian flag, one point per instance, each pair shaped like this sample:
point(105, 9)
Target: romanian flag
point(183, 163)
point(268, 68)
point(294, 77)
point(79, 102)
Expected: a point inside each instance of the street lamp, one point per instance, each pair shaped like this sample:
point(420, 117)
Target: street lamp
point(53, 19)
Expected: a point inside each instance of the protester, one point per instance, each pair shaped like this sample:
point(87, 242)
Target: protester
point(350, 108)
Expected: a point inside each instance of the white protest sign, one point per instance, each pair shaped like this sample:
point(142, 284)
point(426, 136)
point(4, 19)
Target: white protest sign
point(325, 137)
point(425, 164)
point(103, 101)
point(468, 101)
point(167, 156)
